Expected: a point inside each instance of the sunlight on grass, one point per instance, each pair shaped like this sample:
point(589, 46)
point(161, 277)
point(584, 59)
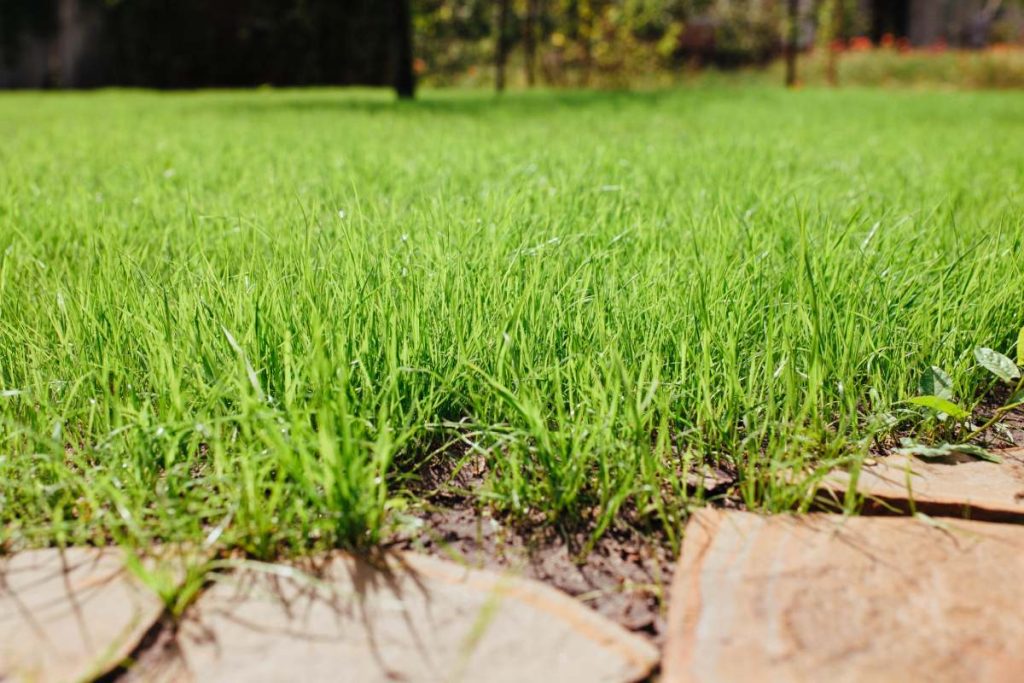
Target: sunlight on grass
point(245, 319)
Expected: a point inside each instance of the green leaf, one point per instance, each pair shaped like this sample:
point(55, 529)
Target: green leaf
point(925, 452)
point(935, 382)
point(977, 451)
point(1020, 347)
point(945, 450)
point(941, 405)
point(996, 363)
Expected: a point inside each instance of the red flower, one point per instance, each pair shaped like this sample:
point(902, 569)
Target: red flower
point(860, 44)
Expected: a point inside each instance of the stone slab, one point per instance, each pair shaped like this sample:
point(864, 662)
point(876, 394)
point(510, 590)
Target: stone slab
point(826, 598)
point(410, 618)
point(961, 487)
point(69, 615)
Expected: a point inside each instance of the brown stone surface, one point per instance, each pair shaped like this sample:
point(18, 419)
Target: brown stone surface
point(69, 615)
point(961, 487)
point(827, 598)
point(418, 619)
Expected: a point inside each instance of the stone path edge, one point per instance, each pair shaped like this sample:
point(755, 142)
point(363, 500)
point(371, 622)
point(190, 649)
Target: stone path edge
point(542, 597)
point(561, 606)
point(829, 501)
point(643, 655)
point(700, 531)
point(830, 492)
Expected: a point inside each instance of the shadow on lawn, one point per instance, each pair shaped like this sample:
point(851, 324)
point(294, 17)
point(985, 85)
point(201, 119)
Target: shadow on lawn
point(470, 104)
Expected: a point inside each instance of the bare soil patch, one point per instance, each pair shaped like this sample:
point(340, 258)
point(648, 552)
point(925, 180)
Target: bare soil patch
point(624, 576)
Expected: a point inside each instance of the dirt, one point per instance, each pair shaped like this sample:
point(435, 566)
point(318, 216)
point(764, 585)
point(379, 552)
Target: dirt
point(624, 576)
point(1008, 433)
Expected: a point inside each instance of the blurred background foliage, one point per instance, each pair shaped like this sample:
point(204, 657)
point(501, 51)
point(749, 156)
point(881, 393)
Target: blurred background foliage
point(559, 43)
point(612, 42)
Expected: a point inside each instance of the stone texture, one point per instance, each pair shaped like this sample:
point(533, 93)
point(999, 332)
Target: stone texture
point(826, 598)
point(69, 615)
point(414, 619)
point(961, 487)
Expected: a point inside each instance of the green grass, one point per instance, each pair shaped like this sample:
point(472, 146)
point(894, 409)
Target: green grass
point(992, 68)
point(247, 319)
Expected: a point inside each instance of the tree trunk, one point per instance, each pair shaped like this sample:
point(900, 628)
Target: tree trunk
point(981, 25)
point(405, 77)
point(530, 42)
point(66, 48)
point(833, 32)
point(586, 36)
point(792, 42)
point(501, 45)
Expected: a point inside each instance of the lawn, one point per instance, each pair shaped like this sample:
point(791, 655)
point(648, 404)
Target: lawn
point(253, 319)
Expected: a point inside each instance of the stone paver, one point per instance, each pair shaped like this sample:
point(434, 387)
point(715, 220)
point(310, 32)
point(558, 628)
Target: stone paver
point(421, 619)
point(963, 488)
point(823, 598)
point(69, 615)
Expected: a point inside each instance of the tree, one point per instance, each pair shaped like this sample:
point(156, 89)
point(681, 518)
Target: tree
point(501, 44)
point(586, 36)
point(405, 77)
point(981, 27)
point(830, 20)
point(530, 41)
point(792, 42)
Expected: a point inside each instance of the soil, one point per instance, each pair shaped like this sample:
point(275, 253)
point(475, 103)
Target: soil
point(1008, 433)
point(625, 576)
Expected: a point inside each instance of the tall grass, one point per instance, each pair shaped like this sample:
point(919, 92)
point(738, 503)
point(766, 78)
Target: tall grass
point(248, 319)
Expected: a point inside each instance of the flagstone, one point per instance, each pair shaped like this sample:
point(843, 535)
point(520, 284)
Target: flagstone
point(827, 598)
point(409, 618)
point(69, 615)
point(960, 487)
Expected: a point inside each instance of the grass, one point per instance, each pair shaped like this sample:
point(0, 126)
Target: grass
point(1001, 67)
point(248, 319)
